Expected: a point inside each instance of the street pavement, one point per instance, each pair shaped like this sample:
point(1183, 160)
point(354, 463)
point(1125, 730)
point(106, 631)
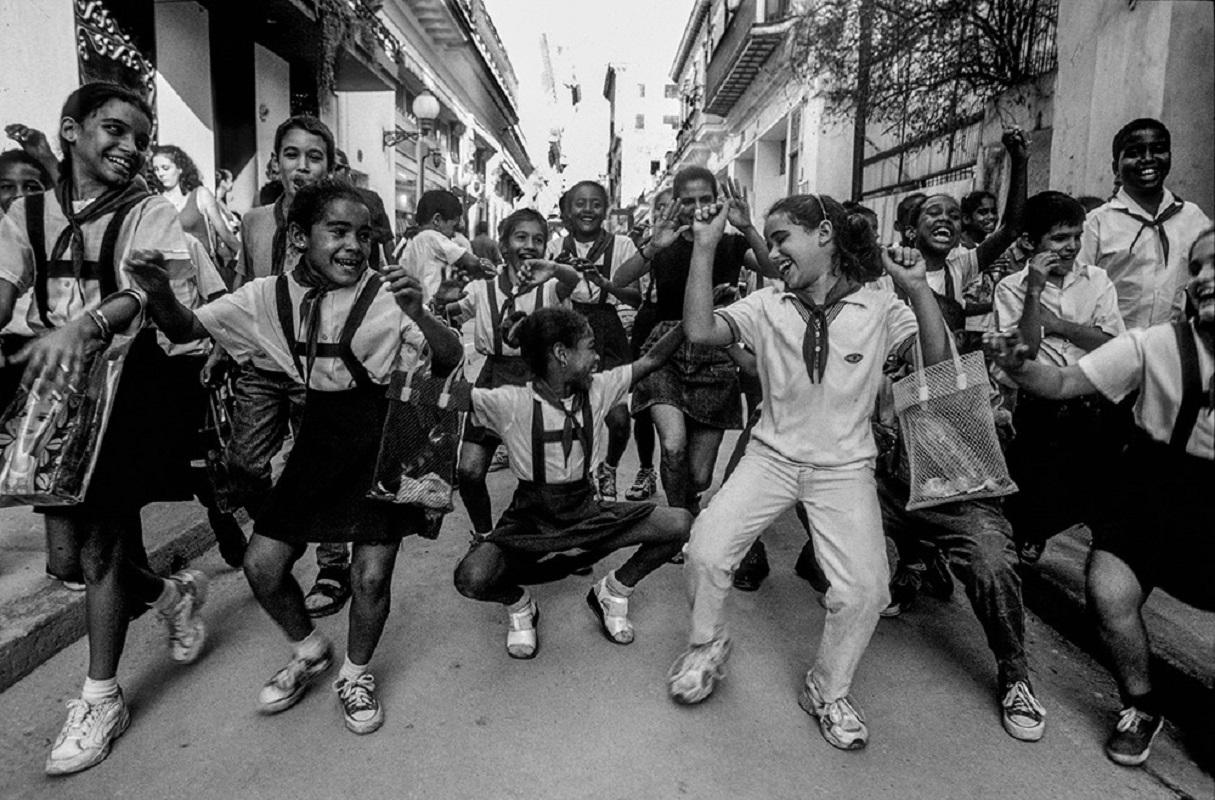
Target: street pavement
point(586, 718)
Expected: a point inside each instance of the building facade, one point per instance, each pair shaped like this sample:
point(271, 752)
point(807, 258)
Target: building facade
point(643, 115)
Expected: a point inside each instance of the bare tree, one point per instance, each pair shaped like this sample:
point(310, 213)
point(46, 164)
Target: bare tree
point(921, 67)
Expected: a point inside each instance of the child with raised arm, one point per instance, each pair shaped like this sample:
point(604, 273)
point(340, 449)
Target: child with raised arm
point(554, 429)
point(340, 330)
point(819, 346)
point(1156, 528)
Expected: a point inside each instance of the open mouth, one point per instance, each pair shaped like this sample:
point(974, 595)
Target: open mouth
point(526, 255)
point(942, 234)
point(1148, 174)
point(783, 266)
point(588, 219)
point(122, 164)
point(349, 262)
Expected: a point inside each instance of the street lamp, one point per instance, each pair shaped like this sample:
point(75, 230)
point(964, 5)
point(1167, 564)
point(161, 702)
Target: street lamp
point(426, 111)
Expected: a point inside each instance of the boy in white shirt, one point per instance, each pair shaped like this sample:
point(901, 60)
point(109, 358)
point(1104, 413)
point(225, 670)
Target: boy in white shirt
point(432, 256)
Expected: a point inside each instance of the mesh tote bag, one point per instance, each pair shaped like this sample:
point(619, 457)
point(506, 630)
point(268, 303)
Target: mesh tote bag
point(421, 438)
point(949, 431)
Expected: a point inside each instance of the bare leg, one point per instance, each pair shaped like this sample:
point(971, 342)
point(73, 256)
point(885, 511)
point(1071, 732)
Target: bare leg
point(1116, 599)
point(268, 565)
point(371, 580)
point(618, 434)
point(471, 472)
point(673, 438)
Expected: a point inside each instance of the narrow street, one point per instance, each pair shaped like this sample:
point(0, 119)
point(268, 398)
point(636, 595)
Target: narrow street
point(466, 721)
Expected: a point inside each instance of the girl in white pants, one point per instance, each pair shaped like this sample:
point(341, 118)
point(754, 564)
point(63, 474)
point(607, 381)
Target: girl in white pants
point(820, 345)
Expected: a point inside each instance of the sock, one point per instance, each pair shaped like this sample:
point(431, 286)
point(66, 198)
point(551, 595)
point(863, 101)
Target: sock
point(351, 670)
point(169, 596)
point(521, 603)
point(616, 587)
point(311, 646)
point(95, 691)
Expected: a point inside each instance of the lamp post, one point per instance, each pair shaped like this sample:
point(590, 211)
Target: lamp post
point(426, 111)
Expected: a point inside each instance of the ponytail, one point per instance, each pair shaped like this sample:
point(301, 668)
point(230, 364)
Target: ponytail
point(856, 246)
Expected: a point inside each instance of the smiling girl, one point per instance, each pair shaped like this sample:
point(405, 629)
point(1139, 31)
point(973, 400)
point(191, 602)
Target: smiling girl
point(68, 246)
point(331, 325)
point(819, 348)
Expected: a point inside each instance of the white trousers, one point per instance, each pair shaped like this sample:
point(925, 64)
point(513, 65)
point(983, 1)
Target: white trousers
point(846, 528)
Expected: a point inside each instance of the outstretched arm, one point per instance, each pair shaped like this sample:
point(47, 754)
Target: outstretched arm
point(178, 323)
point(1054, 383)
point(659, 354)
point(700, 324)
point(740, 217)
point(906, 267)
point(445, 348)
point(1017, 145)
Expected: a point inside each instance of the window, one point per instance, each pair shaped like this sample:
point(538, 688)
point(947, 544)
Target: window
point(671, 119)
point(640, 122)
point(654, 167)
point(670, 91)
point(641, 90)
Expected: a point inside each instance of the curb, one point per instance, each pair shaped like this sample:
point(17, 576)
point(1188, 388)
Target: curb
point(1183, 681)
point(40, 625)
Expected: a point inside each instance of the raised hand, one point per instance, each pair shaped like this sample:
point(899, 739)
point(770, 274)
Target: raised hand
point(32, 140)
point(1040, 265)
point(667, 230)
point(1016, 142)
point(738, 208)
point(906, 267)
point(408, 293)
point(533, 272)
point(709, 223)
point(1006, 350)
point(147, 269)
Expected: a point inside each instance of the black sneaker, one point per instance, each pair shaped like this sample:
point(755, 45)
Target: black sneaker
point(753, 569)
point(904, 589)
point(1131, 742)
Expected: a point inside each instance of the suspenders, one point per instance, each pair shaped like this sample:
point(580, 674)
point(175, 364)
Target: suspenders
point(340, 349)
point(1191, 387)
point(604, 247)
point(103, 270)
point(541, 437)
point(498, 313)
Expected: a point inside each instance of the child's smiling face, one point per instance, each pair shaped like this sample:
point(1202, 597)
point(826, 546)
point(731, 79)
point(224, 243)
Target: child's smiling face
point(1201, 287)
point(1064, 241)
point(1144, 161)
point(940, 225)
point(799, 253)
point(587, 210)
point(581, 361)
point(694, 195)
point(339, 244)
point(983, 219)
point(302, 159)
point(527, 239)
point(18, 180)
point(108, 146)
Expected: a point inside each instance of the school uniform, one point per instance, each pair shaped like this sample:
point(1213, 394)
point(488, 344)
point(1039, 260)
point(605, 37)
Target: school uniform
point(428, 258)
point(551, 450)
point(1158, 513)
point(607, 253)
point(812, 445)
point(1144, 255)
point(489, 302)
point(699, 380)
point(342, 345)
point(69, 272)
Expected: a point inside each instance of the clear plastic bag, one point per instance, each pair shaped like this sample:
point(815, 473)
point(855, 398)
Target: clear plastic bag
point(949, 431)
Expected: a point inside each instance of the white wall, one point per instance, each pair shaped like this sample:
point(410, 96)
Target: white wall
point(183, 83)
point(40, 70)
point(271, 105)
point(360, 121)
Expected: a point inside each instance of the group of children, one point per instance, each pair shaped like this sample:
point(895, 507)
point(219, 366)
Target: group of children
point(316, 327)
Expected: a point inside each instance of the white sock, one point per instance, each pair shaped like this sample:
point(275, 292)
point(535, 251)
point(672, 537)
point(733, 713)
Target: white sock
point(169, 596)
point(95, 691)
point(520, 604)
point(311, 646)
point(351, 670)
point(616, 587)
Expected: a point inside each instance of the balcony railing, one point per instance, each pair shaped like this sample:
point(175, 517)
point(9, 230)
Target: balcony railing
point(748, 42)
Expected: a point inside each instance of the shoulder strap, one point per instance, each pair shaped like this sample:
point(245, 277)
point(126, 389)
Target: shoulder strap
point(607, 265)
point(495, 314)
point(1191, 387)
point(35, 231)
point(286, 318)
point(538, 471)
point(358, 313)
point(107, 269)
point(587, 434)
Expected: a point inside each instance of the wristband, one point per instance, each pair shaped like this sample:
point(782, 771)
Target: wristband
point(103, 325)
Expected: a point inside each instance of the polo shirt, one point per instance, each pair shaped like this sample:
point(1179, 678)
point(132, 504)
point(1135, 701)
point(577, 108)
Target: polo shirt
point(1150, 288)
point(150, 225)
point(246, 323)
point(1147, 360)
point(1087, 297)
point(475, 305)
point(507, 411)
point(256, 257)
point(820, 424)
point(428, 258)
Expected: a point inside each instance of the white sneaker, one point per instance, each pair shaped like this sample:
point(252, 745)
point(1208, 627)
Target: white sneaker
point(612, 611)
point(287, 686)
point(695, 673)
point(1024, 717)
point(187, 632)
point(361, 709)
point(521, 638)
point(88, 734)
point(840, 721)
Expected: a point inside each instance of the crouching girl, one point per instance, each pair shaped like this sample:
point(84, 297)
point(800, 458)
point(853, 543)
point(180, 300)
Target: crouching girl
point(554, 430)
point(332, 326)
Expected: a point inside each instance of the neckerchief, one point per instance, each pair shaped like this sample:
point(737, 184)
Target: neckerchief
point(815, 342)
point(278, 246)
point(72, 237)
point(571, 424)
point(602, 240)
point(310, 308)
point(1156, 224)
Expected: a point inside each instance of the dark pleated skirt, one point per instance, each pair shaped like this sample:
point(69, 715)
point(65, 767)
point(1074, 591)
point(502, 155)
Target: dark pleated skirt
point(554, 518)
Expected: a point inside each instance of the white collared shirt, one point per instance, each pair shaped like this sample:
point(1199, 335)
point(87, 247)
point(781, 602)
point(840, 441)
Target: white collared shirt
point(507, 411)
point(475, 305)
point(1148, 360)
point(1150, 291)
point(429, 257)
point(1086, 297)
point(246, 324)
point(820, 424)
point(586, 292)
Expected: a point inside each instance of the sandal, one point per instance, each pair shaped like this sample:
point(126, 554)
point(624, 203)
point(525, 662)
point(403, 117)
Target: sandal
point(327, 596)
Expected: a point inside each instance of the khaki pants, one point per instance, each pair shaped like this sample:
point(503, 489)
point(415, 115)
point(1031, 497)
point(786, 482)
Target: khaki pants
point(846, 528)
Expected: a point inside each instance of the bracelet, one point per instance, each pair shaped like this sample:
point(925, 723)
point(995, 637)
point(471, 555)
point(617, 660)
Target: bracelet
point(103, 324)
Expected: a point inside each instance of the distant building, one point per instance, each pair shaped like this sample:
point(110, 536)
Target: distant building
point(644, 114)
